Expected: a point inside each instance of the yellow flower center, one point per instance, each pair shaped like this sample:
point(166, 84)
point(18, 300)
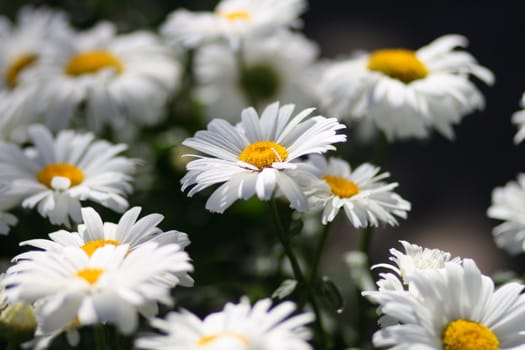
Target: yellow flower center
point(74, 174)
point(235, 15)
point(207, 339)
point(399, 64)
point(340, 186)
point(91, 275)
point(93, 61)
point(469, 335)
point(263, 154)
point(91, 246)
point(18, 65)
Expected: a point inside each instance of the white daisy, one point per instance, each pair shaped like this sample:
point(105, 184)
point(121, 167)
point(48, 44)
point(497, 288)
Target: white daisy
point(112, 285)
point(237, 327)
point(60, 172)
point(94, 234)
point(107, 78)
point(407, 93)
point(36, 33)
point(458, 308)
point(518, 118)
point(278, 67)
point(232, 20)
point(7, 219)
point(415, 259)
point(508, 205)
point(257, 156)
point(362, 194)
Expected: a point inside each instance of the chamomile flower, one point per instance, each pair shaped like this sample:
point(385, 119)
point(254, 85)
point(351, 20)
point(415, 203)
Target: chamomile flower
point(111, 80)
point(112, 285)
point(518, 118)
point(278, 67)
point(457, 308)
point(232, 20)
point(508, 205)
point(58, 173)
point(361, 193)
point(407, 93)
point(257, 156)
point(237, 327)
point(94, 234)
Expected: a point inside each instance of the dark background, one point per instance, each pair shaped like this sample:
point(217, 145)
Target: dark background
point(448, 182)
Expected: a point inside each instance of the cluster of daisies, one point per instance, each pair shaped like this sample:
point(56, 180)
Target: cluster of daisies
point(427, 300)
point(62, 88)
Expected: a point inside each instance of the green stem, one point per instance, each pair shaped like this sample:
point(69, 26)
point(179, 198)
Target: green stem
point(285, 242)
point(100, 337)
point(12, 344)
point(361, 303)
point(319, 252)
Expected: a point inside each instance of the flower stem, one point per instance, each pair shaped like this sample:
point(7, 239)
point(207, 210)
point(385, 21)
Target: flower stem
point(299, 276)
point(100, 337)
point(319, 252)
point(361, 304)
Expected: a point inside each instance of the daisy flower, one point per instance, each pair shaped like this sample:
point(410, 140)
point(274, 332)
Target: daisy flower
point(508, 205)
point(364, 197)
point(94, 234)
point(58, 173)
point(112, 285)
point(37, 32)
point(518, 118)
point(458, 308)
point(278, 67)
point(232, 20)
point(107, 78)
point(6, 219)
point(407, 93)
point(257, 156)
point(237, 327)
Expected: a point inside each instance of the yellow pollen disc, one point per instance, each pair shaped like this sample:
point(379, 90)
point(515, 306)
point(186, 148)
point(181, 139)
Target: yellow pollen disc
point(340, 186)
point(91, 246)
point(91, 62)
point(17, 66)
point(74, 174)
point(235, 15)
point(90, 275)
point(207, 339)
point(469, 335)
point(399, 64)
point(263, 154)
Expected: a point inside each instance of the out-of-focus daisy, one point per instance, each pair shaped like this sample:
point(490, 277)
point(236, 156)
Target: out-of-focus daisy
point(518, 118)
point(237, 327)
point(7, 219)
point(112, 285)
point(37, 32)
point(508, 205)
point(94, 234)
point(361, 193)
point(273, 68)
point(257, 156)
point(457, 308)
point(116, 80)
point(58, 173)
point(232, 20)
point(407, 93)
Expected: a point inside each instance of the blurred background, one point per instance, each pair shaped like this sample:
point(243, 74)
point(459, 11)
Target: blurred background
point(448, 182)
